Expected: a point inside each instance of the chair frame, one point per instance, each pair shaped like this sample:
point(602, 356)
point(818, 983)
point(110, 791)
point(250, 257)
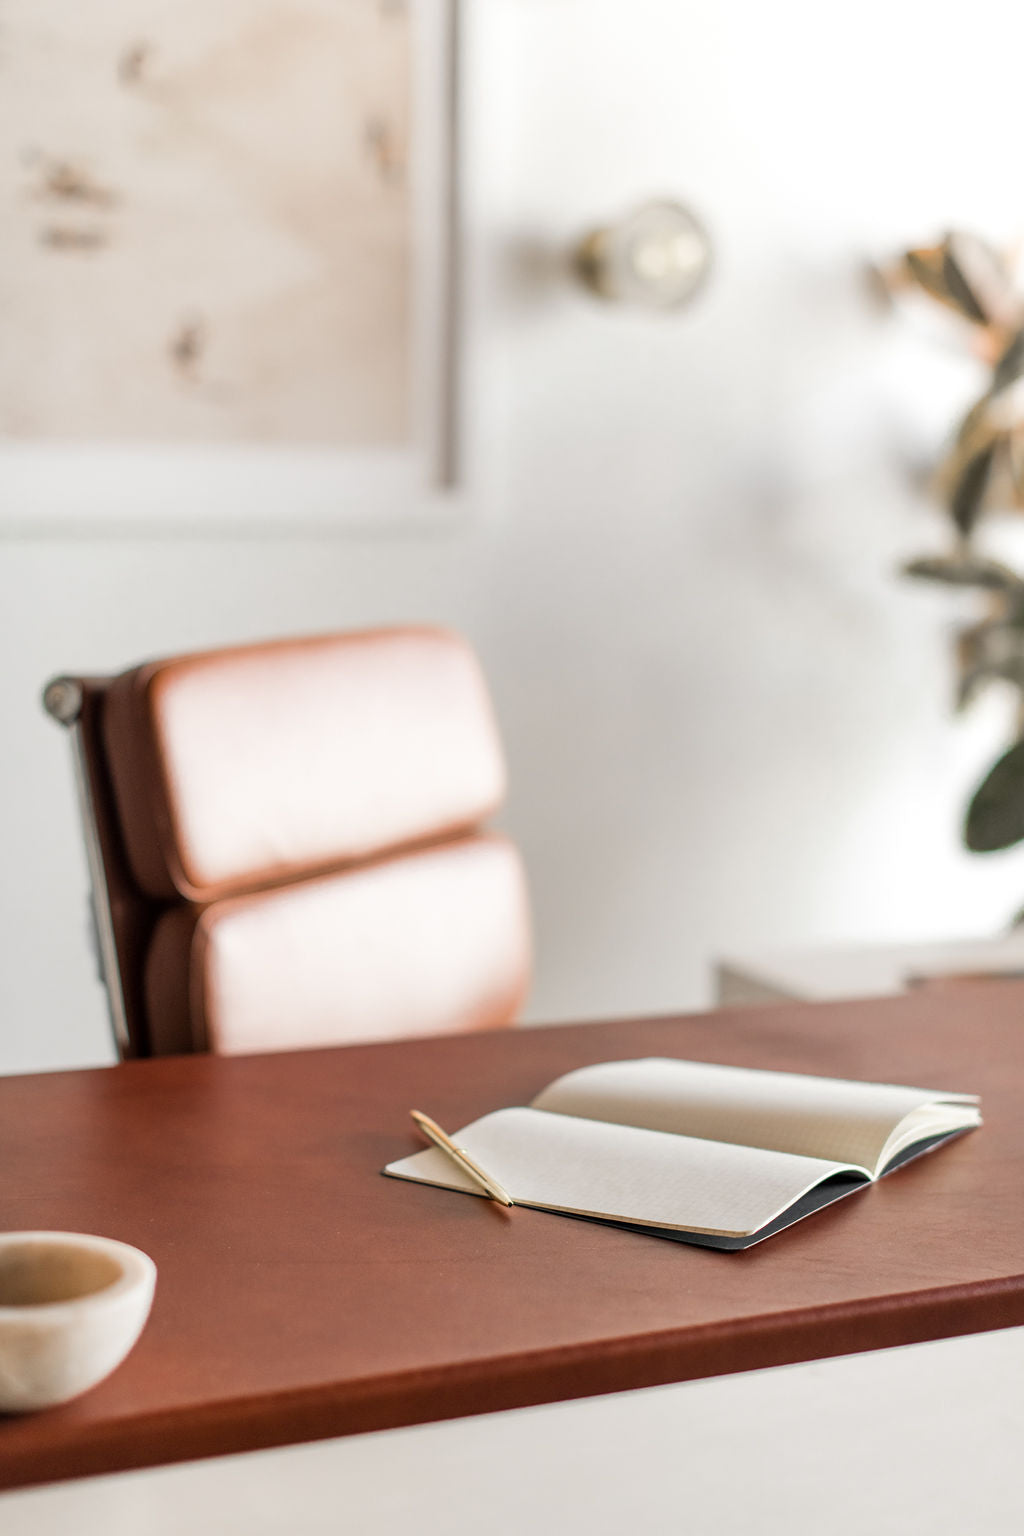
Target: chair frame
point(121, 921)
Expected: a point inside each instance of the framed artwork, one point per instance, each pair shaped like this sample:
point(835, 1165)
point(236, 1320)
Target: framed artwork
point(228, 243)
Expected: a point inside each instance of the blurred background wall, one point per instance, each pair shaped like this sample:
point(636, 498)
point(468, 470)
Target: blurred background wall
point(727, 721)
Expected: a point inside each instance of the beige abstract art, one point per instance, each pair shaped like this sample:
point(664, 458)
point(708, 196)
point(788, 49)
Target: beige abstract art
point(206, 221)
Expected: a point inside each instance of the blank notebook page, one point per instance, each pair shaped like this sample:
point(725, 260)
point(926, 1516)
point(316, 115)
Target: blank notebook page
point(811, 1116)
point(616, 1171)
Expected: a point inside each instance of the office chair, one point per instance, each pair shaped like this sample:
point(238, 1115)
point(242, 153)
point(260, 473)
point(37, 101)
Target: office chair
point(286, 844)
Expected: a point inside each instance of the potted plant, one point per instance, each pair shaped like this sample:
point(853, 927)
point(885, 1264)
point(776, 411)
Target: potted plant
point(982, 471)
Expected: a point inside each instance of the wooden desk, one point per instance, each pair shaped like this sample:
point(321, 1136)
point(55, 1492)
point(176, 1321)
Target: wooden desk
point(921, 1439)
point(302, 1296)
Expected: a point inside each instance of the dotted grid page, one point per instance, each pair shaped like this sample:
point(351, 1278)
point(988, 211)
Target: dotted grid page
point(587, 1167)
point(788, 1112)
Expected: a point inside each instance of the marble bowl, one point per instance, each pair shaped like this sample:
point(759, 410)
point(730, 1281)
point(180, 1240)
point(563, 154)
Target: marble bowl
point(71, 1307)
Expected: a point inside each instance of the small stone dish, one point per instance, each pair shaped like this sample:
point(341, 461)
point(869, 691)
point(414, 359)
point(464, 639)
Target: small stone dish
point(71, 1307)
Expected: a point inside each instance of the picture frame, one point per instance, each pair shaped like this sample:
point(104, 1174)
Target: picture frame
point(65, 486)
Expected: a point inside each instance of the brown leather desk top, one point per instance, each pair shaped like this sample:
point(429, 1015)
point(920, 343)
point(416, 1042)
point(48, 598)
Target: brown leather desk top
point(301, 1295)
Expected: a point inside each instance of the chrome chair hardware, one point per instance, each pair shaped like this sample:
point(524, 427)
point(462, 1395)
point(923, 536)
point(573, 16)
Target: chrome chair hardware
point(62, 700)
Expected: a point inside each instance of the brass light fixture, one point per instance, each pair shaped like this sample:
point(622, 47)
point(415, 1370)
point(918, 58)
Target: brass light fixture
point(657, 257)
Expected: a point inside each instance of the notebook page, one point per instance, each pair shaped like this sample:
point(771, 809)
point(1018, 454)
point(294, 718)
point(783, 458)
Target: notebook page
point(588, 1167)
point(924, 1123)
point(788, 1112)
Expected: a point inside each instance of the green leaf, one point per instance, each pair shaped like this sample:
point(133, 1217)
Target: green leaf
point(959, 287)
point(968, 494)
point(969, 571)
point(1010, 366)
point(925, 267)
point(988, 276)
point(995, 816)
point(977, 426)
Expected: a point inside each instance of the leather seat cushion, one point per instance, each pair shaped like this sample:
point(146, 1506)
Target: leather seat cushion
point(244, 767)
point(430, 942)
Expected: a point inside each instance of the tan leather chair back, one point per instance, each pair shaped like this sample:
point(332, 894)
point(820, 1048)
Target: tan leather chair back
point(286, 845)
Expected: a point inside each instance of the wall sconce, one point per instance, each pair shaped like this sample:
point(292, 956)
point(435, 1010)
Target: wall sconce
point(657, 257)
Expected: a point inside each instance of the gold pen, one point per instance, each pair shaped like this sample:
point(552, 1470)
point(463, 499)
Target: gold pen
point(433, 1132)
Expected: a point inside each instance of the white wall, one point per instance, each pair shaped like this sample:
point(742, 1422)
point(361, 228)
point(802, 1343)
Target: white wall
point(727, 721)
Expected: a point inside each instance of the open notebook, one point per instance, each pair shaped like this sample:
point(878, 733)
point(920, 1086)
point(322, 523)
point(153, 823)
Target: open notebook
point(722, 1156)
